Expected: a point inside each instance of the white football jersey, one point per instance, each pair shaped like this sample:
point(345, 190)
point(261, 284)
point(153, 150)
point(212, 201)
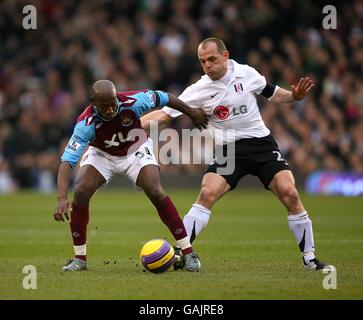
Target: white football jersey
point(230, 102)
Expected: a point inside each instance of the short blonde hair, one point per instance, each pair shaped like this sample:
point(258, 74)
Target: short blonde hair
point(219, 43)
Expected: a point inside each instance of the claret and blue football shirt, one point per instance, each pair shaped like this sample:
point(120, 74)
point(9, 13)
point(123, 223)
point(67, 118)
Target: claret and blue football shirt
point(112, 136)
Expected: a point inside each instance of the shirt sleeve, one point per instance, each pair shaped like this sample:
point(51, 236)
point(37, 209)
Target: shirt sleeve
point(258, 81)
point(82, 135)
point(269, 91)
point(150, 99)
point(188, 96)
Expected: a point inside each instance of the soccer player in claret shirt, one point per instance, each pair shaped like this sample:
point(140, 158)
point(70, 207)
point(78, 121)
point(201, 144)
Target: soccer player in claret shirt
point(111, 127)
point(228, 92)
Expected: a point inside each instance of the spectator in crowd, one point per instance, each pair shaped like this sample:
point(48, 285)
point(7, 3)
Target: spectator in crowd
point(43, 72)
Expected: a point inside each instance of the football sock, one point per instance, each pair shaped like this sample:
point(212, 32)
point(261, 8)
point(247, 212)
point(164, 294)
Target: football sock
point(170, 216)
point(81, 252)
point(302, 229)
point(79, 221)
point(196, 220)
point(184, 245)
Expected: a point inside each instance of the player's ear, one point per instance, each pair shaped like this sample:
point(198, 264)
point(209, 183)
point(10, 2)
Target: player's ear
point(226, 55)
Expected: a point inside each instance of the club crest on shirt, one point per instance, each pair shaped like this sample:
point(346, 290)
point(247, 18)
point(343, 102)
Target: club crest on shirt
point(238, 87)
point(126, 120)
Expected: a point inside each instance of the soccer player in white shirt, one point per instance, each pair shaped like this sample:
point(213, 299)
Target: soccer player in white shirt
point(227, 92)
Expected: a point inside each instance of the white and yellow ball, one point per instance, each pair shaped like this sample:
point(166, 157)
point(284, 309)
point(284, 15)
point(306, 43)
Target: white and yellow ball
point(157, 256)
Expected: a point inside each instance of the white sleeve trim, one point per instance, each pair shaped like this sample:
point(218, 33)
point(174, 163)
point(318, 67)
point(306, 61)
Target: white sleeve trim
point(171, 112)
point(276, 88)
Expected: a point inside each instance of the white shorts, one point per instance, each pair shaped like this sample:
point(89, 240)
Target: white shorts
point(130, 165)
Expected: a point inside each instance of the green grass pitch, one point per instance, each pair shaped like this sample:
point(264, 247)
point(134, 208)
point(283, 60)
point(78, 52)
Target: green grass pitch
point(247, 251)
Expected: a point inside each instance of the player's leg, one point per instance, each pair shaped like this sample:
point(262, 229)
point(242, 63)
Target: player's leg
point(217, 181)
point(144, 173)
point(149, 180)
point(87, 182)
point(283, 186)
point(213, 188)
point(95, 169)
point(275, 174)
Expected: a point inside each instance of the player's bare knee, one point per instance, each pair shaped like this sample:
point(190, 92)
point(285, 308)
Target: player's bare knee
point(290, 194)
point(82, 194)
point(207, 196)
point(156, 194)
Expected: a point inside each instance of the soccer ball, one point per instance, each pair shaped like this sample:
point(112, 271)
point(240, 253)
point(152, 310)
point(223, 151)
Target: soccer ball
point(157, 256)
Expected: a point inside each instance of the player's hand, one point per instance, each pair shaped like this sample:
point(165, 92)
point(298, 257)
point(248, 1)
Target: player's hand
point(62, 209)
point(301, 90)
point(200, 118)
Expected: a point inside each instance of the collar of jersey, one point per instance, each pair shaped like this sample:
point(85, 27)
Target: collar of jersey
point(238, 70)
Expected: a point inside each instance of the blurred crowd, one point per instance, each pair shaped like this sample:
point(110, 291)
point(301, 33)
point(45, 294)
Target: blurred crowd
point(45, 74)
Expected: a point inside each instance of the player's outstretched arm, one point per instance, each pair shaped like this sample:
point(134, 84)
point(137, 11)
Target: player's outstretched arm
point(298, 91)
point(198, 115)
point(64, 177)
point(158, 115)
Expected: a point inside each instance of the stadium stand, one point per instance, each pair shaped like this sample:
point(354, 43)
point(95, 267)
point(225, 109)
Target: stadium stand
point(45, 73)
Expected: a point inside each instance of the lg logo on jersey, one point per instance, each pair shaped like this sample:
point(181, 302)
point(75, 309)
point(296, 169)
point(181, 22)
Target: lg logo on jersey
point(236, 111)
point(222, 112)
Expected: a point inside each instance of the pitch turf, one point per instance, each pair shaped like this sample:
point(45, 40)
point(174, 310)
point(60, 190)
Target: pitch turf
point(247, 252)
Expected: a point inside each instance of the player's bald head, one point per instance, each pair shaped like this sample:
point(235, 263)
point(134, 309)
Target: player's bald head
point(103, 89)
point(103, 96)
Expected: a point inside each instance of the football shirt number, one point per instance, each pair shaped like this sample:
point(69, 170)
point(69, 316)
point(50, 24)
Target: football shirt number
point(113, 142)
point(279, 156)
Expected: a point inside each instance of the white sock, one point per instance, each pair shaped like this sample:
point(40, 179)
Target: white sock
point(302, 228)
point(196, 220)
point(183, 243)
point(80, 250)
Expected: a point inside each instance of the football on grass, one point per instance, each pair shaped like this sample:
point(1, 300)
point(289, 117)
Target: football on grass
point(157, 256)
